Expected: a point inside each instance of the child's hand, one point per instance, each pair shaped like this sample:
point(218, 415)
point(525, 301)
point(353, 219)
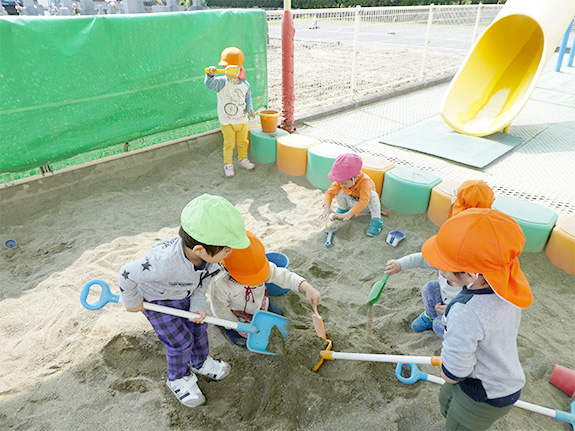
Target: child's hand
point(392, 267)
point(243, 334)
point(311, 294)
point(326, 212)
point(345, 216)
point(251, 113)
point(199, 319)
point(440, 308)
point(212, 71)
point(136, 309)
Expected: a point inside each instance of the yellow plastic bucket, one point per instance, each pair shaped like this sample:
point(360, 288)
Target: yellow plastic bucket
point(269, 120)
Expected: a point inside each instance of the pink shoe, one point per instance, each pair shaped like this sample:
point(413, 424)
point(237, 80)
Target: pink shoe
point(246, 164)
point(229, 170)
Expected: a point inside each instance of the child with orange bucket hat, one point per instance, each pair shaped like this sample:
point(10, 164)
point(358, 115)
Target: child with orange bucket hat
point(480, 363)
point(234, 103)
point(240, 291)
point(437, 294)
point(354, 192)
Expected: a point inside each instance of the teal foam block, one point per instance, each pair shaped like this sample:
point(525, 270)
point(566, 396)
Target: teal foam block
point(436, 138)
point(535, 220)
point(407, 190)
point(320, 159)
point(263, 145)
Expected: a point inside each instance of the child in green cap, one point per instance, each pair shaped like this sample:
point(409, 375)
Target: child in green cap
point(176, 273)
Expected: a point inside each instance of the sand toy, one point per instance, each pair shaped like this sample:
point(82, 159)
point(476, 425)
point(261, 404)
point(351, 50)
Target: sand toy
point(258, 330)
point(416, 374)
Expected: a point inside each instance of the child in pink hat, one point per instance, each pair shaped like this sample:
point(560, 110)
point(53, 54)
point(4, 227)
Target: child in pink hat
point(354, 192)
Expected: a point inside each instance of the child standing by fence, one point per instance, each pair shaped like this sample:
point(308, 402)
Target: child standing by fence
point(234, 103)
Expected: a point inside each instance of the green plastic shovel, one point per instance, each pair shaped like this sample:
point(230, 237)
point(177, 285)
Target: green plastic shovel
point(376, 290)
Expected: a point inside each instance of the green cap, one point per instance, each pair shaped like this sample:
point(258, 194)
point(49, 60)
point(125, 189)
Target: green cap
point(212, 220)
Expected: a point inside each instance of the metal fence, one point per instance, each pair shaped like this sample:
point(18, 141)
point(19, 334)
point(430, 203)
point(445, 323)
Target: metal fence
point(342, 53)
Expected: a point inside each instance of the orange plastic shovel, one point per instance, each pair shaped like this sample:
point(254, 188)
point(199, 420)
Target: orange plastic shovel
point(318, 324)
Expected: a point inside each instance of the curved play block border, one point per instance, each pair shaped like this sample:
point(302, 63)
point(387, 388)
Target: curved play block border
point(560, 249)
point(320, 159)
point(376, 167)
point(292, 153)
point(407, 190)
point(263, 145)
point(440, 201)
point(535, 220)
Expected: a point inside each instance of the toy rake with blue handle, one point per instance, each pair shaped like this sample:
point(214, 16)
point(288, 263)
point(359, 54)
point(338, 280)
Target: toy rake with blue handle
point(416, 374)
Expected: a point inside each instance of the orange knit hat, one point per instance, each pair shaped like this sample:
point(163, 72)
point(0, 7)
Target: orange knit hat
point(249, 266)
point(484, 241)
point(472, 194)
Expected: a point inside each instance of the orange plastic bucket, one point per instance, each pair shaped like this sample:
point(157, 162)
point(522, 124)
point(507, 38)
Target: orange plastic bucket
point(269, 120)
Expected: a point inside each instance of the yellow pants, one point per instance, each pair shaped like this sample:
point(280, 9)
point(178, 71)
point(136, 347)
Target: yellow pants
point(235, 133)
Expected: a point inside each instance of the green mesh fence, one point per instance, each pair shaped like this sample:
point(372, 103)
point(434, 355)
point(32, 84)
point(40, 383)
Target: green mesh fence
point(78, 89)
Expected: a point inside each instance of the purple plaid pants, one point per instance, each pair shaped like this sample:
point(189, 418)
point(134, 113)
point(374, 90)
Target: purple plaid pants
point(186, 342)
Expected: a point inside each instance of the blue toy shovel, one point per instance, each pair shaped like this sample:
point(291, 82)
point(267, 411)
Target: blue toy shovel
point(416, 374)
point(330, 234)
point(258, 330)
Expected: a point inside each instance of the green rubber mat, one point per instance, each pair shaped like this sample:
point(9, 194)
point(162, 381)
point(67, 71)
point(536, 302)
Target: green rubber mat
point(436, 138)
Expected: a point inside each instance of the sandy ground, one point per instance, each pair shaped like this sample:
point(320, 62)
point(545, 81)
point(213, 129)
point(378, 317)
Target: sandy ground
point(65, 367)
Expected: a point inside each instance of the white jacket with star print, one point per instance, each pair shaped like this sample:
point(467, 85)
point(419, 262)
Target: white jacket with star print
point(165, 274)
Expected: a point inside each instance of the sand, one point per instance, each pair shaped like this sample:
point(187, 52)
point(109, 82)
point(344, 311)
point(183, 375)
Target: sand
point(65, 367)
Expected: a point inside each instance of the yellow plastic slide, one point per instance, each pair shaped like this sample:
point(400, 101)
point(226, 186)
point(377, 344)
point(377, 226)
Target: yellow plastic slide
point(501, 70)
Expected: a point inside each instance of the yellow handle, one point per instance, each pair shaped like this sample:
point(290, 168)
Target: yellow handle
point(436, 360)
point(207, 69)
point(326, 354)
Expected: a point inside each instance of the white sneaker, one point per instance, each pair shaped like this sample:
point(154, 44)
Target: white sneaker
point(229, 170)
point(187, 391)
point(246, 164)
point(212, 369)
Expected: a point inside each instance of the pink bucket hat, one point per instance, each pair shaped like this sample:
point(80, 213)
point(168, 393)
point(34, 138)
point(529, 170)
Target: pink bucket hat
point(345, 167)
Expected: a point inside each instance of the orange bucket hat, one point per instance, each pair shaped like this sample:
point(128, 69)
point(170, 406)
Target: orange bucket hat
point(233, 56)
point(484, 241)
point(249, 266)
point(472, 194)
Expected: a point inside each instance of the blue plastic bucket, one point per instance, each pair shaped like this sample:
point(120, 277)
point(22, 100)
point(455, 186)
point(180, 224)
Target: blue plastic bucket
point(281, 261)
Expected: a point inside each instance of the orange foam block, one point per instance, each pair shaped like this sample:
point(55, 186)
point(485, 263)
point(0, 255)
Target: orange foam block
point(560, 248)
point(376, 167)
point(440, 201)
point(292, 153)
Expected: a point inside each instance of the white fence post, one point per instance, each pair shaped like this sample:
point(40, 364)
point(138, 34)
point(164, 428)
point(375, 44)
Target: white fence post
point(355, 48)
point(427, 33)
point(477, 22)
